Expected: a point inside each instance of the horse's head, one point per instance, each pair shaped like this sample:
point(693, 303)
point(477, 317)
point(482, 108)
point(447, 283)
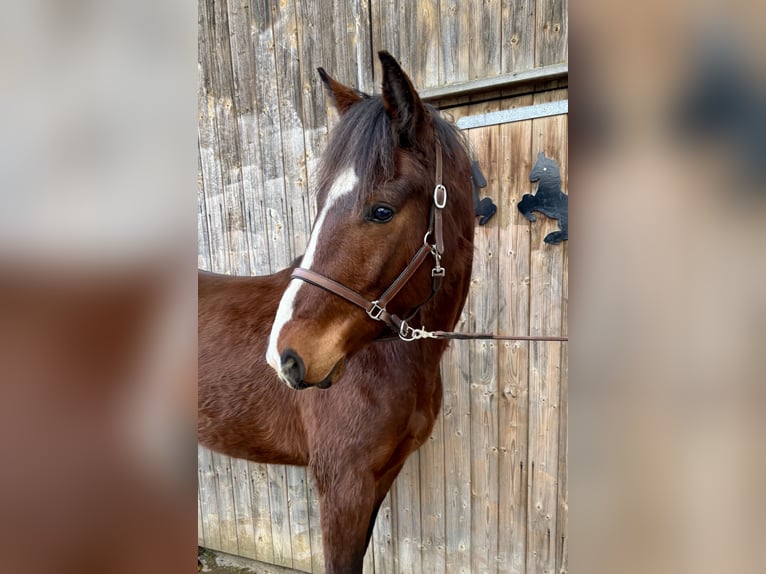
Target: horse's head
point(375, 200)
point(545, 170)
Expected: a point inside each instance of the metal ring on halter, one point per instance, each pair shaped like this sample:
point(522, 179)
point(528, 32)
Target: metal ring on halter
point(425, 240)
point(407, 333)
point(440, 188)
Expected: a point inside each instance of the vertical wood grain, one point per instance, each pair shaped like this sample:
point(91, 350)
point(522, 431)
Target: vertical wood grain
point(513, 317)
point(243, 73)
point(242, 508)
point(485, 38)
point(518, 32)
point(407, 509)
point(483, 386)
point(383, 537)
point(208, 147)
point(225, 495)
point(456, 412)
point(261, 512)
point(552, 32)
point(546, 285)
point(562, 525)
point(207, 500)
point(432, 510)
point(203, 230)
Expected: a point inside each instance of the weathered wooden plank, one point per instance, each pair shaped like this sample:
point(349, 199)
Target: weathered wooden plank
point(488, 87)
point(240, 476)
point(448, 42)
point(290, 96)
point(408, 529)
point(562, 522)
point(457, 456)
point(328, 40)
point(203, 231)
point(243, 72)
point(261, 512)
point(383, 537)
point(546, 281)
point(454, 40)
point(434, 537)
point(513, 318)
point(339, 46)
point(208, 146)
point(368, 567)
point(269, 135)
point(387, 33)
point(359, 44)
point(227, 518)
point(280, 515)
point(552, 32)
point(228, 141)
point(298, 507)
point(485, 38)
point(315, 532)
point(484, 363)
point(200, 525)
point(562, 525)
point(518, 22)
point(404, 18)
point(418, 48)
point(208, 501)
point(313, 109)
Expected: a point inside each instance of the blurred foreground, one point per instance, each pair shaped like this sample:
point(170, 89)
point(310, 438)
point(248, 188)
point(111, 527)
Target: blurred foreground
point(668, 267)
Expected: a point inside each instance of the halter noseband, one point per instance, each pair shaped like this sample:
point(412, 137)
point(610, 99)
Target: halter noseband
point(377, 309)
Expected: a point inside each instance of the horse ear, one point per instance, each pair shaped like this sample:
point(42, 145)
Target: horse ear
point(404, 107)
point(343, 96)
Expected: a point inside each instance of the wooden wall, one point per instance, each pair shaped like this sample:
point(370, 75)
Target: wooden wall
point(487, 493)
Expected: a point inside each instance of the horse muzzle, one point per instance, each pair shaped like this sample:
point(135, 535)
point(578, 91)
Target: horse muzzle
point(292, 371)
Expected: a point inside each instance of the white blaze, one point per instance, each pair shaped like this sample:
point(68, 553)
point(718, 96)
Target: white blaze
point(343, 185)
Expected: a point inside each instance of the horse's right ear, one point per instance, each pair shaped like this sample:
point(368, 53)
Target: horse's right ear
point(343, 96)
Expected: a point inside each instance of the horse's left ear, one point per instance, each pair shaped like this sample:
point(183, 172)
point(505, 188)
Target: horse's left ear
point(404, 107)
point(343, 96)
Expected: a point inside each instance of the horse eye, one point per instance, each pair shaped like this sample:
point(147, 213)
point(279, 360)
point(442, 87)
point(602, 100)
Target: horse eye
point(381, 214)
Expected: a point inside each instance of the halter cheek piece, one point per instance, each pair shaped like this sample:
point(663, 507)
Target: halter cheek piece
point(377, 309)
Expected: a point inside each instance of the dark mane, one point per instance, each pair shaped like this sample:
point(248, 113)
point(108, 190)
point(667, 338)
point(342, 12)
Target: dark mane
point(368, 124)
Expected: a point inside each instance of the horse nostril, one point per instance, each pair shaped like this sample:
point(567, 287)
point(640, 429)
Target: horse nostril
point(292, 370)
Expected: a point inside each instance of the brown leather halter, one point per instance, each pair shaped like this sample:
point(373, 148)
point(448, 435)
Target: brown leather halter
point(376, 309)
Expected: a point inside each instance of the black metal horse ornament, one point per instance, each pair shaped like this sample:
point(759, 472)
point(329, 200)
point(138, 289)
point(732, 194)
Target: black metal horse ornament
point(549, 199)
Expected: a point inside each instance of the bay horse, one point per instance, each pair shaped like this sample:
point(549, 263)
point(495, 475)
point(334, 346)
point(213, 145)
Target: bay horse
point(301, 367)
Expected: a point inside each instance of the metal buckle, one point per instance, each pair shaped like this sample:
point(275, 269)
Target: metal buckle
point(375, 311)
point(440, 188)
point(437, 272)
